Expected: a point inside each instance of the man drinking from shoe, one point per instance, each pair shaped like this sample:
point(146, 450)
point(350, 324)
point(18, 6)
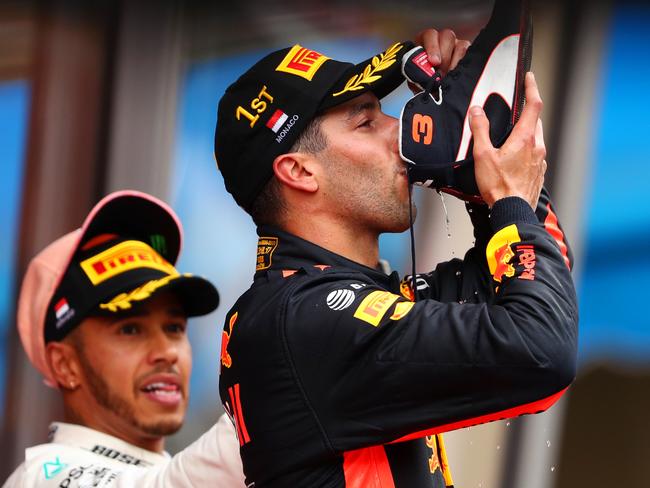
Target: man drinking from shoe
point(334, 372)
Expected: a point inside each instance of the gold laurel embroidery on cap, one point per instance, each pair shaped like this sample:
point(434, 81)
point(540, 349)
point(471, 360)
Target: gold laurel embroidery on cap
point(123, 300)
point(378, 63)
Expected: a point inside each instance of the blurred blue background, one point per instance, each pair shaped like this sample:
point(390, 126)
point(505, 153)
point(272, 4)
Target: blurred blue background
point(614, 281)
point(14, 105)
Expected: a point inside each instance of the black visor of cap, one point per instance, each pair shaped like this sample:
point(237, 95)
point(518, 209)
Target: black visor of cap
point(386, 67)
point(264, 112)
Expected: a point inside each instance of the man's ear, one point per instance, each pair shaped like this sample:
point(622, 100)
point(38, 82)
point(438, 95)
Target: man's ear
point(296, 171)
point(62, 358)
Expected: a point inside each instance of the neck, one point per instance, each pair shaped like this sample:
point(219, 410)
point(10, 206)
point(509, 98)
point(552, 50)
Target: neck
point(351, 240)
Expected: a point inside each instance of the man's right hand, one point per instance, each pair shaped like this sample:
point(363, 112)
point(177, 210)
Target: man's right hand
point(516, 168)
point(444, 49)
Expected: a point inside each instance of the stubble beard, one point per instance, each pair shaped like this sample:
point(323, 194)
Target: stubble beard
point(392, 210)
point(120, 406)
point(405, 213)
point(386, 211)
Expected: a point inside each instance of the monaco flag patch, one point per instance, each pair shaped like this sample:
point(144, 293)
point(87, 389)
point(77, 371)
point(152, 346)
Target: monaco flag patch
point(277, 120)
point(61, 308)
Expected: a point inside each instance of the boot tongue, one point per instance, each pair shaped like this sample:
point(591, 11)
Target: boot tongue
point(418, 70)
point(429, 137)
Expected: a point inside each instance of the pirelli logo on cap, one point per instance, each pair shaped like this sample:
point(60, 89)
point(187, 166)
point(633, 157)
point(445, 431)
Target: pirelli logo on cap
point(302, 62)
point(121, 258)
point(373, 308)
point(265, 248)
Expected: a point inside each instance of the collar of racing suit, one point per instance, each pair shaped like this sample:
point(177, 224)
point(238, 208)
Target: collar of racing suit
point(104, 445)
point(281, 254)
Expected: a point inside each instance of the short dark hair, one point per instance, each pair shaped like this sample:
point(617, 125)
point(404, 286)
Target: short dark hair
point(312, 140)
point(269, 206)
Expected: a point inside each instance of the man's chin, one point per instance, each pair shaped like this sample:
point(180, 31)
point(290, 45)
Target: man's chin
point(160, 421)
point(405, 220)
point(162, 428)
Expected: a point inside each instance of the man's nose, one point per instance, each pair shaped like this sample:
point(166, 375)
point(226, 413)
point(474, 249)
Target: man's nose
point(163, 349)
point(393, 131)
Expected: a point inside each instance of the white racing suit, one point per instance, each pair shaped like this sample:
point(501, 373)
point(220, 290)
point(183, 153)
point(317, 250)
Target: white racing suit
point(79, 457)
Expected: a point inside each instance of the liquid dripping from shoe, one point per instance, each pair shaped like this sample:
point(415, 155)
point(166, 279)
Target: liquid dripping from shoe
point(447, 223)
point(444, 207)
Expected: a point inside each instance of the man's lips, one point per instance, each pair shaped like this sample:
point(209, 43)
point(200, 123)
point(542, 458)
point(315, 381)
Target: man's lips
point(164, 389)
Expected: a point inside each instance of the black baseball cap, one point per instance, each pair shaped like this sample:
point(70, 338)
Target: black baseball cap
point(123, 254)
point(262, 114)
point(115, 273)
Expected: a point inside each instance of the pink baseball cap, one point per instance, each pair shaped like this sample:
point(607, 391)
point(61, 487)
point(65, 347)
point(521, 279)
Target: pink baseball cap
point(141, 238)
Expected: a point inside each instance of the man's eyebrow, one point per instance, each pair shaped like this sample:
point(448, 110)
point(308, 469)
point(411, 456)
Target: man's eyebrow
point(127, 314)
point(142, 312)
point(177, 312)
point(357, 108)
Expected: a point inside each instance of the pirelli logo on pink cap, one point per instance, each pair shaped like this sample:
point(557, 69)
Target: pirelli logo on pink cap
point(121, 258)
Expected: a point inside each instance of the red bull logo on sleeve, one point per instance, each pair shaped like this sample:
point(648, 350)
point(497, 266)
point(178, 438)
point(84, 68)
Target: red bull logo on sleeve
point(503, 256)
point(226, 360)
point(527, 260)
point(499, 253)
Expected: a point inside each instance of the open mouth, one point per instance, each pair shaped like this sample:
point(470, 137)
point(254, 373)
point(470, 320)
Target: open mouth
point(163, 392)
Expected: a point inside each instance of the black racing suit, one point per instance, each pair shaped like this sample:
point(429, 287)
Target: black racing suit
point(326, 363)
